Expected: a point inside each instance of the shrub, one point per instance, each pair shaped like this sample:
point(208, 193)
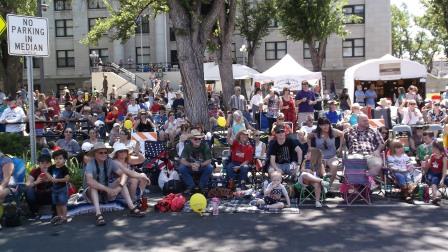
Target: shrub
point(14, 144)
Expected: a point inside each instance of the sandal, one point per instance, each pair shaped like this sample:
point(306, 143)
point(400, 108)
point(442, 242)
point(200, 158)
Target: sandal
point(100, 221)
point(55, 220)
point(135, 212)
point(60, 221)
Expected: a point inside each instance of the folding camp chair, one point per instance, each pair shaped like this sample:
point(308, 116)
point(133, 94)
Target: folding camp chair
point(305, 193)
point(356, 183)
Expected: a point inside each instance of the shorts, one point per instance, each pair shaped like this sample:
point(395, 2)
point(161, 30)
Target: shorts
point(269, 200)
point(286, 168)
point(434, 179)
point(59, 196)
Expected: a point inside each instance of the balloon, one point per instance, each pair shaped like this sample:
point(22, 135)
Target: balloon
point(221, 121)
point(128, 124)
point(198, 203)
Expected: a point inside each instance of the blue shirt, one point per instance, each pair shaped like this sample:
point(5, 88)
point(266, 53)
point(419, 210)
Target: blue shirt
point(333, 116)
point(3, 161)
point(304, 106)
point(371, 97)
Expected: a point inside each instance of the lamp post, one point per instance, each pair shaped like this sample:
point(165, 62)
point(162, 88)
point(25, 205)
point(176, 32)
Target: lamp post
point(94, 57)
point(243, 50)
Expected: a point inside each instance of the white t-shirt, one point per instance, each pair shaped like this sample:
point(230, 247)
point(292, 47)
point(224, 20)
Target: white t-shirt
point(133, 109)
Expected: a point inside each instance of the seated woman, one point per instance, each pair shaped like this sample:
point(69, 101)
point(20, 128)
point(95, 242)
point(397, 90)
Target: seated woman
point(281, 121)
point(125, 138)
point(144, 123)
point(236, 123)
point(123, 156)
point(400, 164)
point(324, 139)
point(260, 151)
point(306, 177)
point(411, 114)
point(170, 129)
point(242, 154)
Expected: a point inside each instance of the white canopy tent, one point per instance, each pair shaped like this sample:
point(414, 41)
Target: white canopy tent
point(240, 72)
point(288, 73)
point(387, 67)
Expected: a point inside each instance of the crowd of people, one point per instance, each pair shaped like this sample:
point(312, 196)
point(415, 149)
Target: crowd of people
point(307, 132)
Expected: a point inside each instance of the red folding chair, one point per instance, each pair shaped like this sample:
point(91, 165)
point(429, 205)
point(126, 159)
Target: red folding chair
point(356, 185)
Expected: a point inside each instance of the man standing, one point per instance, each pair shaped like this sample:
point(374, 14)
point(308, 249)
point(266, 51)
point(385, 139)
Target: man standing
point(257, 105)
point(105, 84)
point(69, 116)
point(196, 158)
point(105, 178)
point(238, 101)
point(361, 139)
point(305, 99)
point(13, 117)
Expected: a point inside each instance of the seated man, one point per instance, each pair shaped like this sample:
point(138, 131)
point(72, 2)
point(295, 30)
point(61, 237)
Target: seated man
point(38, 192)
point(104, 179)
point(196, 158)
point(361, 139)
point(333, 115)
point(242, 154)
point(285, 153)
point(70, 145)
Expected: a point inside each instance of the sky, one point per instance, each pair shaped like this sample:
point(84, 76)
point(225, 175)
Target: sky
point(414, 6)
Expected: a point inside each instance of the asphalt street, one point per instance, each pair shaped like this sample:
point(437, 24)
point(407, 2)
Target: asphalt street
point(359, 228)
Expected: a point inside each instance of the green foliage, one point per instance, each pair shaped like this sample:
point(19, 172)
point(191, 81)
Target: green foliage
point(420, 46)
point(14, 144)
point(435, 20)
point(75, 172)
point(253, 20)
point(310, 20)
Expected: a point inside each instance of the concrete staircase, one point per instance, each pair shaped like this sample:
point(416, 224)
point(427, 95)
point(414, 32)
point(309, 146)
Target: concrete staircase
point(123, 85)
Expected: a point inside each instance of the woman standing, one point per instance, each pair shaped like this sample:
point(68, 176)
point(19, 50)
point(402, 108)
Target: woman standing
point(288, 108)
point(345, 100)
point(274, 104)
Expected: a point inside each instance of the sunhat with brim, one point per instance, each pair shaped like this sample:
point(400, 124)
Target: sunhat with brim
point(119, 147)
point(99, 146)
point(383, 102)
point(196, 134)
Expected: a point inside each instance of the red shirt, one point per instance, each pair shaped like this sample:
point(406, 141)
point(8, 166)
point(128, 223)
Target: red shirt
point(436, 164)
point(155, 108)
point(52, 102)
point(122, 107)
point(241, 153)
point(111, 117)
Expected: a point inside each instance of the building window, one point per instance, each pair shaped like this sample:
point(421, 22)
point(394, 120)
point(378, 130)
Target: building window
point(96, 4)
point(172, 34)
point(92, 22)
point(103, 54)
point(356, 11)
point(64, 28)
point(275, 50)
point(60, 5)
point(143, 25)
point(174, 60)
point(66, 58)
point(273, 23)
point(142, 55)
point(234, 53)
point(353, 48)
point(306, 50)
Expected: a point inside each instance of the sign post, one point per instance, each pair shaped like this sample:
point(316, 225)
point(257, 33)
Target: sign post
point(28, 36)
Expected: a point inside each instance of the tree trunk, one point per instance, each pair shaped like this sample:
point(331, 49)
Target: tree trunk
point(317, 54)
point(227, 25)
point(11, 70)
point(250, 56)
point(192, 30)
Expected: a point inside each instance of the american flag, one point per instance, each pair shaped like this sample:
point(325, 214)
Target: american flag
point(154, 148)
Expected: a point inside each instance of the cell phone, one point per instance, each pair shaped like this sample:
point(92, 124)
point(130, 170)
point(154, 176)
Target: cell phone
point(42, 175)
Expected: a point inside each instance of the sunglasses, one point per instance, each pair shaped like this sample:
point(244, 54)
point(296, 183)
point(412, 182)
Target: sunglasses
point(256, 135)
point(68, 132)
point(281, 119)
point(197, 139)
point(102, 152)
point(413, 104)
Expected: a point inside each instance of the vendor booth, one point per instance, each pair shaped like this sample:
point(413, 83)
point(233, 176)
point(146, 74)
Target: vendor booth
point(240, 72)
point(288, 73)
point(387, 74)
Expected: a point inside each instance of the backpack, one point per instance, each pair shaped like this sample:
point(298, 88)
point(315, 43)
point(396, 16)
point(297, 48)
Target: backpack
point(172, 186)
point(11, 215)
point(171, 202)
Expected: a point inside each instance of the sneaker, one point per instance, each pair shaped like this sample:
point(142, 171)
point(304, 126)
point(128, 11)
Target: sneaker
point(253, 202)
point(318, 204)
point(263, 207)
point(436, 201)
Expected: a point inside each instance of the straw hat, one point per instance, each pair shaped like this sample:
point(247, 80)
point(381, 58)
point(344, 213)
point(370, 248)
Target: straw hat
point(196, 133)
point(383, 102)
point(99, 146)
point(119, 147)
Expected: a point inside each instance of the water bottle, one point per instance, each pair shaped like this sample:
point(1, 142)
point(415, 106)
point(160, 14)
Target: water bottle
point(420, 191)
point(215, 205)
point(308, 164)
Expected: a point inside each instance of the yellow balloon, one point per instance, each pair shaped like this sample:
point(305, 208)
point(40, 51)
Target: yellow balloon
point(128, 124)
point(198, 203)
point(221, 121)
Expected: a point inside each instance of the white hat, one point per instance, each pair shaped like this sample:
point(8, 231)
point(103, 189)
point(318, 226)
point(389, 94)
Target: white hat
point(87, 146)
point(116, 124)
point(99, 123)
point(119, 147)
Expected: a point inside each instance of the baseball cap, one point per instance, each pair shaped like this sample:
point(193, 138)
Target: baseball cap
point(279, 129)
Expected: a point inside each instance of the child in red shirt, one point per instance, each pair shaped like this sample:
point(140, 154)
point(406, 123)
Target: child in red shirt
point(242, 153)
point(437, 170)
